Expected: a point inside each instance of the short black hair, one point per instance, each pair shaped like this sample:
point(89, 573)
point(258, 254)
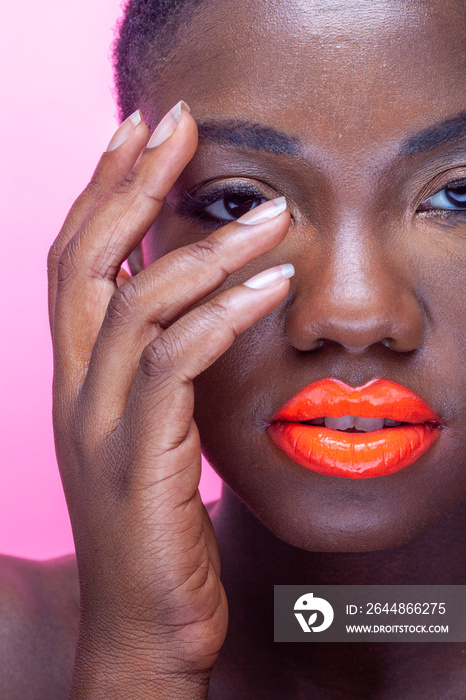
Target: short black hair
point(145, 35)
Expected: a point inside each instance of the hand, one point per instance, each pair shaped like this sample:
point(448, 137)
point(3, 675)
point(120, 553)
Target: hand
point(153, 609)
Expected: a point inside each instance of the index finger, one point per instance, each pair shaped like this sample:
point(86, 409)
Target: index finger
point(112, 168)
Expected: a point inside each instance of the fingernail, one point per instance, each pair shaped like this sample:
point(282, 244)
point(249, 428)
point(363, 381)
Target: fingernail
point(168, 125)
point(124, 130)
point(264, 212)
point(271, 276)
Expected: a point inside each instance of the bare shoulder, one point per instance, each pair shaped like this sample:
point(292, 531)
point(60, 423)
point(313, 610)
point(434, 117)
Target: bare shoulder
point(39, 612)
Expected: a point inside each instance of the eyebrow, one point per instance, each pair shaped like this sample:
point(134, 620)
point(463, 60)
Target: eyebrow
point(245, 134)
point(441, 134)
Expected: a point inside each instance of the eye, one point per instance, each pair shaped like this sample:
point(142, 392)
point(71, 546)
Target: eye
point(232, 206)
point(452, 197)
point(218, 203)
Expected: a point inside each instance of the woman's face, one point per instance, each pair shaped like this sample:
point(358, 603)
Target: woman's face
point(372, 99)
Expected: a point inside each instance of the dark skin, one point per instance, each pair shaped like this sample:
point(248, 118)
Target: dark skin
point(378, 292)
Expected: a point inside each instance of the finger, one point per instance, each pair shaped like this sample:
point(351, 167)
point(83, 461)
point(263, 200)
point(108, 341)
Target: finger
point(140, 310)
point(114, 165)
point(91, 260)
point(160, 406)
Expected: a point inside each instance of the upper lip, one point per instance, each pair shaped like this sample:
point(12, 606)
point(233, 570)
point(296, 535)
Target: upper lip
point(378, 398)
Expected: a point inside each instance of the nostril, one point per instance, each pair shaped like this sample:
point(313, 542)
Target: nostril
point(389, 317)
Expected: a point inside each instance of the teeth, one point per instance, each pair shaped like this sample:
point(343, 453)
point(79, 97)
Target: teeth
point(346, 422)
point(341, 423)
point(367, 424)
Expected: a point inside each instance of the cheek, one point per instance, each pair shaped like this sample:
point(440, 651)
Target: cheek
point(439, 270)
point(435, 254)
point(235, 398)
point(242, 383)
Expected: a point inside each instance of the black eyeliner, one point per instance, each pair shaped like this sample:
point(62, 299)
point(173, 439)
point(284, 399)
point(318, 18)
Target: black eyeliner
point(193, 204)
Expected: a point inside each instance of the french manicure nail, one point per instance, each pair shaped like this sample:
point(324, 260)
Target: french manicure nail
point(264, 212)
point(168, 125)
point(124, 130)
point(271, 276)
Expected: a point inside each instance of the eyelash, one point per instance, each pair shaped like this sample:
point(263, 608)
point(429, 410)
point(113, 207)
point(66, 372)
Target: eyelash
point(444, 211)
point(194, 205)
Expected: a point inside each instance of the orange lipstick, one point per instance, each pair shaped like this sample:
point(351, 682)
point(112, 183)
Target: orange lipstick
point(355, 432)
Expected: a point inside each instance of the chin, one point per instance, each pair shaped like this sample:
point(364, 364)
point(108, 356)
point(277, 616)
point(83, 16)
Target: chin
point(345, 527)
point(366, 539)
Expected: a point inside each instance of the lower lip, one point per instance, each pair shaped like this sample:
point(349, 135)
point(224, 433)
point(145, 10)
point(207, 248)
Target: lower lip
point(353, 455)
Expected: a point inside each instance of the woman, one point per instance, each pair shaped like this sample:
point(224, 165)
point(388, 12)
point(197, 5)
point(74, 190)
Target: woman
point(324, 140)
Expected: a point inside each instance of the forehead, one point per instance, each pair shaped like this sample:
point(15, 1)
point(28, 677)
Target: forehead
point(355, 71)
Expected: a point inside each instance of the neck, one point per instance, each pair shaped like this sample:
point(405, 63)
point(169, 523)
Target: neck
point(253, 560)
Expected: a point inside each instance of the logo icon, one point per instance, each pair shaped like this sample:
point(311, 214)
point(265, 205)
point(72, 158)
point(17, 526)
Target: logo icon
point(308, 604)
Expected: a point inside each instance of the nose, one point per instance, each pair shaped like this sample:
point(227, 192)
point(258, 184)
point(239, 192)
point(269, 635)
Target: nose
point(356, 290)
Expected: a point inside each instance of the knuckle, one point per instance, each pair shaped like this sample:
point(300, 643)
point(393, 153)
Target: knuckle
point(67, 262)
point(158, 358)
point(134, 187)
point(217, 310)
point(151, 197)
point(95, 188)
point(127, 190)
point(219, 320)
point(123, 302)
point(128, 184)
point(53, 257)
point(207, 248)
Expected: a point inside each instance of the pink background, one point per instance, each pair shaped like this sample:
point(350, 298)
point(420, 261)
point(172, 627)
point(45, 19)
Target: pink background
point(58, 114)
